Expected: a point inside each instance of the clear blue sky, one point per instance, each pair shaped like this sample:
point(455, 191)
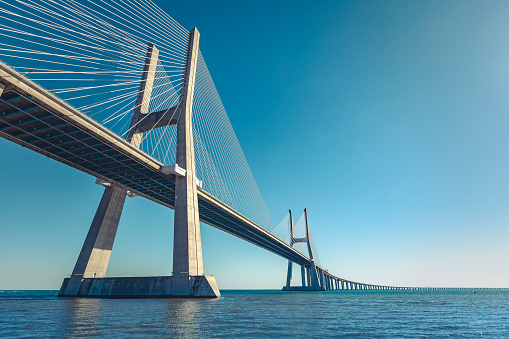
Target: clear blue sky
point(388, 120)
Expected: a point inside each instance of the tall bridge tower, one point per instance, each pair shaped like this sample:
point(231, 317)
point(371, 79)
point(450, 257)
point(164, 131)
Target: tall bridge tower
point(309, 273)
point(188, 280)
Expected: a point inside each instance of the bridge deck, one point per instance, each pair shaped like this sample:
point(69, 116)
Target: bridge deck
point(36, 119)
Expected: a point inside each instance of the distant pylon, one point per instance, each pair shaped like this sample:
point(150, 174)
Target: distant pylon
point(309, 274)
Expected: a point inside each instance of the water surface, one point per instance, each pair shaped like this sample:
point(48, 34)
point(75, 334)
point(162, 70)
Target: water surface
point(361, 314)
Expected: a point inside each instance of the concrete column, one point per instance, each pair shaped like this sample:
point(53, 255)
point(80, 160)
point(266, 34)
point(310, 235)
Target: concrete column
point(95, 253)
point(315, 280)
point(307, 235)
point(303, 275)
point(187, 250)
point(289, 275)
point(308, 276)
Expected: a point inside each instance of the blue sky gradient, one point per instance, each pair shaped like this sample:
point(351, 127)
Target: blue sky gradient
point(388, 120)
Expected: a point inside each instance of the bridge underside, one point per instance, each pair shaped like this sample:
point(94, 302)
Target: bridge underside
point(32, 117)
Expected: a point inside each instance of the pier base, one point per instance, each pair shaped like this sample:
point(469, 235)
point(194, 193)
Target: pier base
point(143, 287)
point(303, 288)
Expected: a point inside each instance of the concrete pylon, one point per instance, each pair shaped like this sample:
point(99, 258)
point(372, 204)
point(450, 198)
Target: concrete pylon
point(314, 274)
point(188, 279)
point(290, 264)
point(303, 275)
point(311, 278)
point(188, 276)
point(95, 254)
point(142, 105)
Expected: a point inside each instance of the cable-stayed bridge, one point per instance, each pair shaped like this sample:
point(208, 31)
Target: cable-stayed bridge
point(120, 90)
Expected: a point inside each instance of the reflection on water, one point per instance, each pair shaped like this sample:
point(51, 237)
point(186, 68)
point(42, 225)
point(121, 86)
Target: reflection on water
point(381, 314)
point(184, 317)
point(79, 316)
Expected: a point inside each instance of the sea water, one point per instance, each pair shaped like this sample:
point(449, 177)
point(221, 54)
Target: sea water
point(463, 313)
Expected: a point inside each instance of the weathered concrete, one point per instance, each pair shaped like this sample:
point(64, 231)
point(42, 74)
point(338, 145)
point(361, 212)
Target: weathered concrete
point(187, 251)
point(141, 287)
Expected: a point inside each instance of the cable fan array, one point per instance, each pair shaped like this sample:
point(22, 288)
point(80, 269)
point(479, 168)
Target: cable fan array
point(220, 160)
point(91, 53)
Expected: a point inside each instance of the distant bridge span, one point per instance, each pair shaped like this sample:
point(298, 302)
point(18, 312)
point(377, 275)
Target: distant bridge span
point(36, 119)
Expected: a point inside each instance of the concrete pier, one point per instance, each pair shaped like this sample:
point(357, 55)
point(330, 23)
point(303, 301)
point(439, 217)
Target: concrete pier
point(141, 287)
point(188, 279)
point(95, 253)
